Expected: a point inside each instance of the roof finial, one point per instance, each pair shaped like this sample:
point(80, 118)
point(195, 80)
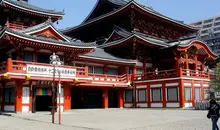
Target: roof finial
point(49, 20)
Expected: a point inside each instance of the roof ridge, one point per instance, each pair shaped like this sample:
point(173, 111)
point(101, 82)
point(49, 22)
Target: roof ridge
point(28, 6)
point(89, 44)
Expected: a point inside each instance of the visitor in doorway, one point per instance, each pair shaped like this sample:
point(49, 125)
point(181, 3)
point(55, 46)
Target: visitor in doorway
point(213, 113)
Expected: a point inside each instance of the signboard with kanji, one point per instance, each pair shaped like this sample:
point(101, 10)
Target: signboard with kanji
point(47, 70)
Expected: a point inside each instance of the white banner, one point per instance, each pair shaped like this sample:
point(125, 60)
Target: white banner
point(25, 95)
point(46, 70)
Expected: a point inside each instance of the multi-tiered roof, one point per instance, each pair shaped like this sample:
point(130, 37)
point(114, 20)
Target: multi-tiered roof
point(130, 30)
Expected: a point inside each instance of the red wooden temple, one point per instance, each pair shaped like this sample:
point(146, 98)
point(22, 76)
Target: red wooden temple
point(123, 54)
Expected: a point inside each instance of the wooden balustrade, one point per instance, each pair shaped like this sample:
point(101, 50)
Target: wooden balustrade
point(15, 66)
point(157, 75)
point(17, 26)
point(194, 73)
point(110, 78)
point(172, 74)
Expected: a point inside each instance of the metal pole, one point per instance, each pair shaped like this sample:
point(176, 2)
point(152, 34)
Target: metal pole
point(53, 96)
point(59, 100)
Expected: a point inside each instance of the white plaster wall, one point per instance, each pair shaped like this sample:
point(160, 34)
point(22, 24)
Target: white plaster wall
point(25, 95)
point(155, 85)
point(172, 84)
point(187, 84)
point(143, 86)
point(156, 104)
point(128, 105)
point(10, 108)
point(25, 108)
point(62, 110)
point(172, 104)
point(188, 104)
point(142, 105)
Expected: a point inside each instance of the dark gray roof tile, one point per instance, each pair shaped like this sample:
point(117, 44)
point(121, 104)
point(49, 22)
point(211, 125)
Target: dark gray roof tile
point(44, 39)
point(100, 53)
point(26, 5)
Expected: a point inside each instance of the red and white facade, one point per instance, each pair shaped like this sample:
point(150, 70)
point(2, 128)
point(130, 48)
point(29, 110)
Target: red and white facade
point(138, 68)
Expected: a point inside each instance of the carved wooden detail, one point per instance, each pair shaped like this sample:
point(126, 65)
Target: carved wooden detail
point(155, 30)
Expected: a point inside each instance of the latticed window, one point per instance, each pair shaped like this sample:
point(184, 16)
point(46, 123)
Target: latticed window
point(198, 95)
point(141, 94)
point(188, 94)
point(9, 95)
point(156, 94)
point(172, 94)
point(128, 95)
point(206, 94)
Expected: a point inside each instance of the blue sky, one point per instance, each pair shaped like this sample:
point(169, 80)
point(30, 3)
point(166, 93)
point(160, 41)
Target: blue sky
point(183, 10)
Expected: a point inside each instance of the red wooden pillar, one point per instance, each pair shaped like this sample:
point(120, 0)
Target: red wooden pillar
point(134, 72)
point(120, 98)
point(187, 61)
point(105, 97)
point(202, 91)
point(148, 96)
point(18, 96)
point(9, 65)
point(196, 63)
point(30, 96)
point(193, 93)
point(181, 94)
point(164, 94)
point(67, 97)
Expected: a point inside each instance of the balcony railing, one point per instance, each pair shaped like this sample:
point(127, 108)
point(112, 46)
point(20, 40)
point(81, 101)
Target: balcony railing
point(21, 67)
point(172, 74)
point(17, 26)
point(110, 78)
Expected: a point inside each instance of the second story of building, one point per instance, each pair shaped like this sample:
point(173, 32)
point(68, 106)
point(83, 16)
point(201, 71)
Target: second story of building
point(20, 14)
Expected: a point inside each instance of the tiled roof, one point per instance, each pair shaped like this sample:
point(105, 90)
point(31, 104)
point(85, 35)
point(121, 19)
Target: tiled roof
point(126, 35)
point(25, 5)
point(44, 25)
point(100, 53)
point(146, 8)
point(49, 40)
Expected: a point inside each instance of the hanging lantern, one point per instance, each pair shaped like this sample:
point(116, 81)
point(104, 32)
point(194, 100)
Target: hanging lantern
point(28, 77)
point(5, 75)
point(75, 80)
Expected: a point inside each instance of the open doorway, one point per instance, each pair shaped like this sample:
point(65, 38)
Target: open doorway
point(83, 98)
point(113, 98)
point(42, 99)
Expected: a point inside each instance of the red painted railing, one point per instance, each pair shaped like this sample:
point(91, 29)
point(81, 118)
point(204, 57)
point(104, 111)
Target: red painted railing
point(17, 26)
point(194, 73)
point(172, 74)
point(15, 66)
point(158, 75)
point(110, 78)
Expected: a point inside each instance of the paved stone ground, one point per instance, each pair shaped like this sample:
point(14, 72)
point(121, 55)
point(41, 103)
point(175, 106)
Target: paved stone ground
point(111, 119)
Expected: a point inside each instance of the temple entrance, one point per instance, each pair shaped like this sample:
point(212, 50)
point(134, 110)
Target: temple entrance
point(83, 98)
point(42, 99)
point(113, 98)
point(43, 103)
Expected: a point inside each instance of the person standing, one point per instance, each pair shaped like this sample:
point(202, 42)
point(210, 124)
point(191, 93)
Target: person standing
point(213, 113)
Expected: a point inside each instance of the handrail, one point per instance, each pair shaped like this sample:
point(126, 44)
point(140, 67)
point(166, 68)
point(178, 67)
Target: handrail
point(114, 78)
point(171, 74)
point(17, 26)
point(16, 66)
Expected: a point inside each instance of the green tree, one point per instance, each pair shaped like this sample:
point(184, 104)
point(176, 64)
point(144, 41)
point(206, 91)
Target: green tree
point(215, 78)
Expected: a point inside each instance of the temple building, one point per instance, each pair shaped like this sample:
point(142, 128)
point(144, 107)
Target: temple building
point(122, 55)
